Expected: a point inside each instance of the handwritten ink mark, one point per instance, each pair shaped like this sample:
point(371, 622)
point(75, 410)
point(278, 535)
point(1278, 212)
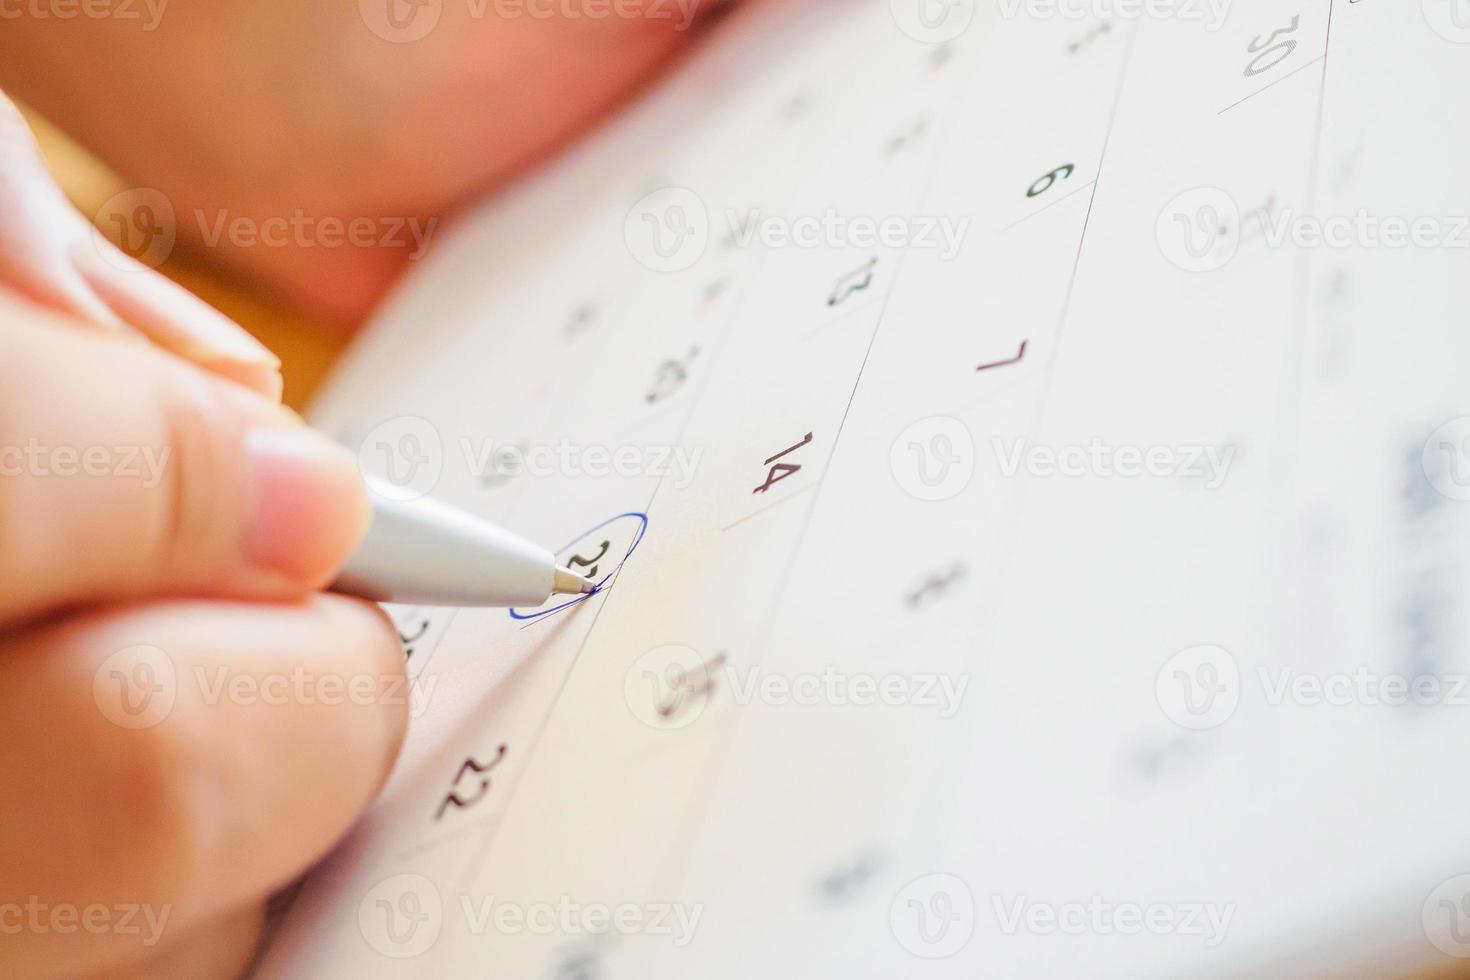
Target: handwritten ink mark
point(1010, 360)
point(408, 641)
point(936, 584)
point(577, 561)
point(781, 471)
point(470, 765)
point(854, 282)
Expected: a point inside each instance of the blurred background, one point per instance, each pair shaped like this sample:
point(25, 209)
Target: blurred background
point(307, 347)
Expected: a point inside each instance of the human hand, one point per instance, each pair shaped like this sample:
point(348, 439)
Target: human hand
point(50, 254)
point(187, 725)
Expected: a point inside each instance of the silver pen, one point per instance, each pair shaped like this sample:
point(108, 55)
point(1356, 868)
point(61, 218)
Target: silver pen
point(428, 553)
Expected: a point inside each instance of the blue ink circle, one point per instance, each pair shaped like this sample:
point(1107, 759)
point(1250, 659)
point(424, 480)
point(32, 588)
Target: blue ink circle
point(637, 539)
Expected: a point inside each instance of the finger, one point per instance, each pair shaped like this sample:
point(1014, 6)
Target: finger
point(125, 471)
point(219, 950)
point(49, 253)
point(183, 759)
point(177, 320)
point(38, 227)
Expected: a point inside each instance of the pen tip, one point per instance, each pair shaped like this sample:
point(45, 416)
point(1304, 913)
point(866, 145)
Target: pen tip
point(568, 582)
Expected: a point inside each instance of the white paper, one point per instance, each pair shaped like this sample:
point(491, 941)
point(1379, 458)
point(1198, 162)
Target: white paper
point(958, 696)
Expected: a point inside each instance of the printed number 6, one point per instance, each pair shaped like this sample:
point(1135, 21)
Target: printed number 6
point(1261, 48)
point(1045, 181)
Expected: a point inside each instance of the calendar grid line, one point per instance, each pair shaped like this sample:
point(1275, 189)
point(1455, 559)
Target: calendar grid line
point(702, 797)
point(484, 841)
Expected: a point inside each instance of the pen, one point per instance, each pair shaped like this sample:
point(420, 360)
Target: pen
point(427, 553)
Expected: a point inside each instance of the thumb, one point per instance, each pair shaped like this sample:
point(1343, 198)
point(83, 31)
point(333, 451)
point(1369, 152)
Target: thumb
point(125, 471)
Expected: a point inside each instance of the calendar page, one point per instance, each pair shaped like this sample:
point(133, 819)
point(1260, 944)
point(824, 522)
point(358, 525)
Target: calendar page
point(1024, 451)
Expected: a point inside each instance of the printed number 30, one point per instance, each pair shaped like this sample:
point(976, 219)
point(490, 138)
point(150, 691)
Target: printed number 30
point(1262, 47)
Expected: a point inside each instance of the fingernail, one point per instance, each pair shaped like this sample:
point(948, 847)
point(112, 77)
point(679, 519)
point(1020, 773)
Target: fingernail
point(264, 381)
point(309, 504)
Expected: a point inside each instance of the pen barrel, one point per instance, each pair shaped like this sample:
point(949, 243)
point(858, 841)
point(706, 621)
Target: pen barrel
point(427, 553)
